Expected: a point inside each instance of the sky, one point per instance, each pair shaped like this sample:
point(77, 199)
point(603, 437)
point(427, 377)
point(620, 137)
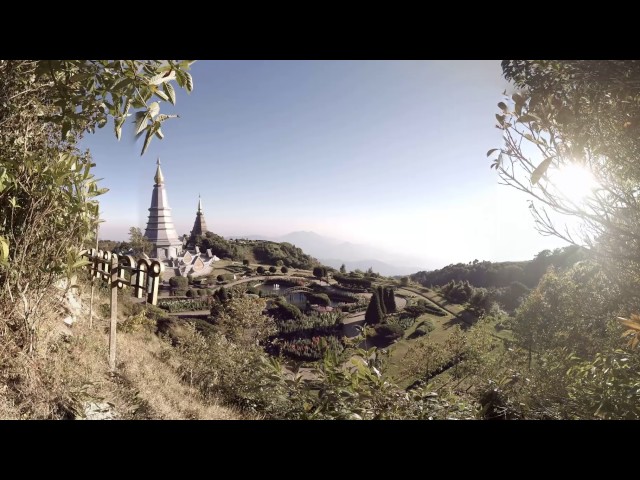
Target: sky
point(391, 154)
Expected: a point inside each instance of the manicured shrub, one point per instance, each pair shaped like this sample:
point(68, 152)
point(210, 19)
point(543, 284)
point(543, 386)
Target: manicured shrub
point(284, 270)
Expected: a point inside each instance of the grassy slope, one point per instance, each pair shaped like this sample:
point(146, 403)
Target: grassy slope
point(66, 372)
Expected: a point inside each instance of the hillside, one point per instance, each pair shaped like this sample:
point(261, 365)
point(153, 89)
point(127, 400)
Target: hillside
point(502, 274)
point(334, 253)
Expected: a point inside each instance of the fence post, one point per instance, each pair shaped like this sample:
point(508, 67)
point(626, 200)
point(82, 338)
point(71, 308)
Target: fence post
point(113, 264)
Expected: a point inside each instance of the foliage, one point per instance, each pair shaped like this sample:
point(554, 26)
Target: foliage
point(138, 322)
point(570, 310)
point(260, 270)
point(273, 269)
point(180, 305)
point(502, 274)
point(576, 113)
point(389, 300)
point(320, 272)
point(243, 322)
point(191, 293)
point(404, 281)
point(48, 193)
point(343, 269)
point(139, 244)
point(457, 292)
point(178, 282)
point(284, 270)
point(318, 298)
point(349, 281)
point(291, 256)
point(420, 308)
point(310, 349)
point(245, 262)
point(374, 313)
point(281, 309)
point(425, 328)
point(481, 301)
point(389, 331)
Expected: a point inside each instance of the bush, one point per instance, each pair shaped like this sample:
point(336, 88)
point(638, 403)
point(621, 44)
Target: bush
point(284, 270)
point(260, 270)
point(180, 283)
point(273, 269)
point(138, 322)
point(389, 331)
point(425, 328)
point(190, 279)
point(285, 310)
point(191, 293)
point(245, 262)
point(208, 291)
point(181, 305)
point(318, 298)
point(201, 292)
point(220, 278)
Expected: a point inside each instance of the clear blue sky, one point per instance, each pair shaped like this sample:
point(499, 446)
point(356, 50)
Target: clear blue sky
point(387, 153)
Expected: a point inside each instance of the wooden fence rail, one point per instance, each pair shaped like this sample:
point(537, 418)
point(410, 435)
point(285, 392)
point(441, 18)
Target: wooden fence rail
point(142, 274)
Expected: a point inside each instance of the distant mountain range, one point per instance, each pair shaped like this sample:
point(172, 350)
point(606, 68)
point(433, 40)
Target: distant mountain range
point(333, 253)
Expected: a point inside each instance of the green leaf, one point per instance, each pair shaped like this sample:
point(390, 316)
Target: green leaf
point(147, 140)
point(122, 83)
point(189, 82)
point(162, 95)
point(171, 93)
point(141, 121)
point(528, 117)
point(80, 263)
point(502, 106)
point(491, 151)
point(540, 170)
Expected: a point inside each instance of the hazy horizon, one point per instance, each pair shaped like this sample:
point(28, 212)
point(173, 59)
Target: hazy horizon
point(383, 153)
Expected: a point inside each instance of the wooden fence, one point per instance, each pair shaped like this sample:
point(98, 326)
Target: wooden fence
point(142, 274)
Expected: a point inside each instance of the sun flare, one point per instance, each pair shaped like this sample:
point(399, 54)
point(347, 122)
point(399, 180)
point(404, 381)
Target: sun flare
point(575, 181)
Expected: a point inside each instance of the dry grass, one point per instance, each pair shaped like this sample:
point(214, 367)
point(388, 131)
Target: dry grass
point(66, 371)
point(147, 367)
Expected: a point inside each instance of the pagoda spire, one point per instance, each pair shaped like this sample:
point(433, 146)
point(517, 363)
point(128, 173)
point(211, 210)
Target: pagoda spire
point(159, 178)
point(199, 226)
point(160, 230)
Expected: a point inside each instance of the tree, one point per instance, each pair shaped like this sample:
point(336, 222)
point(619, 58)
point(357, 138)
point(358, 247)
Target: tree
point(343, 269)
point(319, 272)
point(220, 278)
point(404, 281)
point(179, 284)
point(245, 262)
point(381, 295)
point(579, 115)
point(260, 270)
point(284, 270)
point(273, 269)
point(243, 321)
point(389, 300)
point(48, 193)
point(374, 314)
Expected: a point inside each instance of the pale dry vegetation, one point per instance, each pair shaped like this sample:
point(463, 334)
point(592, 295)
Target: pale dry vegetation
point(69, 368)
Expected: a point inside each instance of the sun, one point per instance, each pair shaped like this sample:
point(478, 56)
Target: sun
point(576, 182)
